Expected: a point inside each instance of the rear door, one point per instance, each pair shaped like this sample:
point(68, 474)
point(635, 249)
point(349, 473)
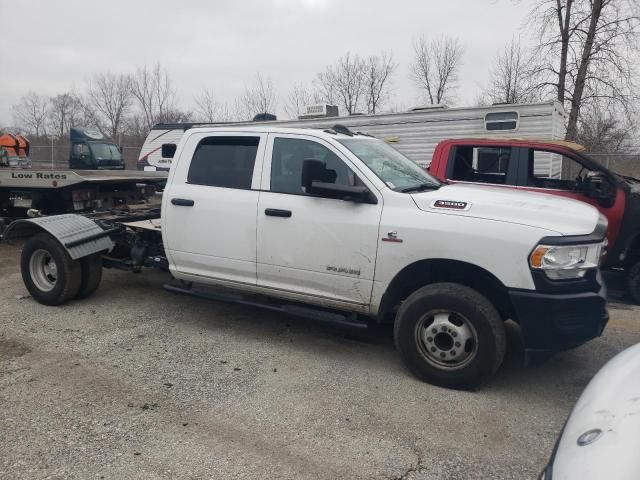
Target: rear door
point(483, 164)
point(210, 204)
point(311, 246)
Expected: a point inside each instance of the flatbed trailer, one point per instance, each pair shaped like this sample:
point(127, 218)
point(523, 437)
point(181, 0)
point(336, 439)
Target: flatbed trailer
point(34, 193)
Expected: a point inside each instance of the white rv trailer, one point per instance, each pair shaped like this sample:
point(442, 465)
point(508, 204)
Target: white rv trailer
point(415, 133)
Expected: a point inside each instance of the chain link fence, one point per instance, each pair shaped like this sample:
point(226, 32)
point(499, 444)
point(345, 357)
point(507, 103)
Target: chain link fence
point(56, 157)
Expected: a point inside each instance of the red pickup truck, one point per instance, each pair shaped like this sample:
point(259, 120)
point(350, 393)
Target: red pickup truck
point(558, 168)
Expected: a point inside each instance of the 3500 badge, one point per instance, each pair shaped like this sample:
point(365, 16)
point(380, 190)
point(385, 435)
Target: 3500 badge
point(450, 204)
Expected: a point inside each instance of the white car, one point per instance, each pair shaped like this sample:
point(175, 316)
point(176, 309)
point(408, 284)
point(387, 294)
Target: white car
point(332, 224)
point(601, 439)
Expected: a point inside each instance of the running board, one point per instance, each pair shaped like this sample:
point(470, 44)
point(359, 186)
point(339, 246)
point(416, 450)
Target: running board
point(318, 314)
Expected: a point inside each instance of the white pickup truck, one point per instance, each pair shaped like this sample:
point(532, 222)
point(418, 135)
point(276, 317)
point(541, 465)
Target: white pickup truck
point(339, 226)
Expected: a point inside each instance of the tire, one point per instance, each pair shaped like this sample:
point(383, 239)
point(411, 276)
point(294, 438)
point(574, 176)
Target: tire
point(450, 335)
point(48, 272)
point(633, 282)
point(91, 275)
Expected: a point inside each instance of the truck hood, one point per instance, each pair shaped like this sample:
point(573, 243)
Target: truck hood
point(561, 215)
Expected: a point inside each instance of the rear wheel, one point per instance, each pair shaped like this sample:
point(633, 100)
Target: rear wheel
point(91, 274)
point(48, 272)
point(450, 335)
point(633, 282)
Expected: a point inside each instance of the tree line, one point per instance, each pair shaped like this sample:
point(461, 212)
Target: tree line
point(585, 57)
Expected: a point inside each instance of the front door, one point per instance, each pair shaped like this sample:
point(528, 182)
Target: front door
point(546, 171)
point(210, 207)
point(321, 248)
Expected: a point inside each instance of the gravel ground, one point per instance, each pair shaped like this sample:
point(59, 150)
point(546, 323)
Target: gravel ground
point(136, 382)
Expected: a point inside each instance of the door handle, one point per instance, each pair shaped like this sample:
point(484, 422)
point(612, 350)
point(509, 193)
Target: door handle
point(274, 212)
point(182, 202)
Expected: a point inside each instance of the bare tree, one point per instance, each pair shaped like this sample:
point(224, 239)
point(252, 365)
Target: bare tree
point(63, 112)
point(208, 109)
point(512, 76)
point(174, 115)
point(257, 98)
point(136, 127)
point(377, 71)
point(435, 67)
point(588, 52)
point(344, 82)
point(31, 113)
point(85, 115)
point(154, 94)
point(604, 131)
point(109, 96)
point(298, 99)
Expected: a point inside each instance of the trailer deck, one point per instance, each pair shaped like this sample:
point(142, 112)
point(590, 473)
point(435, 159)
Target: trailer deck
point(109, 195)
point(58, 179)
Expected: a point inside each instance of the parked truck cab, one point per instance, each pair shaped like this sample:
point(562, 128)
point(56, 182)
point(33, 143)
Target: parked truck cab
point(340, 226)
point(14, 151)
point(90, 150)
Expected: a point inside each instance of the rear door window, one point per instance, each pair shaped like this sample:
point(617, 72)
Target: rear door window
point(224, 162)
point(481, 164)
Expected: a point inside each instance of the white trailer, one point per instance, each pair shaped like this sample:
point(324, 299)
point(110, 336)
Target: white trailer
point(414, 133)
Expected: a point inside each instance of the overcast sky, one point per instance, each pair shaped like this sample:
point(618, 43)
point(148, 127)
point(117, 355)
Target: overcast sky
point(52, 46)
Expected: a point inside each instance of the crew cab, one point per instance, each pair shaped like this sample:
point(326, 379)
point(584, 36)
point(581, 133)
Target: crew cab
point(553, 167)
point(339, 226)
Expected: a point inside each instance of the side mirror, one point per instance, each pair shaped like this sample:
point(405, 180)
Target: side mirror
point(315, 180)
point(168, 150)
point(312, 170)
point(599, 187)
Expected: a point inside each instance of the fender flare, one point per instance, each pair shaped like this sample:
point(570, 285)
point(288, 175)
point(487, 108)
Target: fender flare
point(78, 235)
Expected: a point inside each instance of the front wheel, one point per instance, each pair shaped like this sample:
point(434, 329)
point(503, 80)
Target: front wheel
point(450, 335)
point(48, 272)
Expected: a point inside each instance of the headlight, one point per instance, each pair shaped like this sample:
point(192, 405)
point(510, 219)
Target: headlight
point(565, 261)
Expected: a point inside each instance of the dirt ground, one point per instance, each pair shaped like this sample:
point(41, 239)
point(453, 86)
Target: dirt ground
point(136, 382)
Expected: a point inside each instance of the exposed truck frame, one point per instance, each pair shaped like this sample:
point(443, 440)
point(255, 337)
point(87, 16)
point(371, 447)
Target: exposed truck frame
point(34, 193)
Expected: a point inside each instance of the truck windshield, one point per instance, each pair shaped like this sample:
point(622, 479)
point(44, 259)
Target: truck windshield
point(392, 167)
point(105, 151)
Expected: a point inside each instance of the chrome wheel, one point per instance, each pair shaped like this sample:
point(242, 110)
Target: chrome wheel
point(446, 339)
point(43, 270)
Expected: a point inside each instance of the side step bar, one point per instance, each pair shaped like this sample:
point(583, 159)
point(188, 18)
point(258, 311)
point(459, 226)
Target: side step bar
point(321, 315)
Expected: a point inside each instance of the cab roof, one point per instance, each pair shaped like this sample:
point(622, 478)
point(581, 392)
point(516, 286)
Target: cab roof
point(336, 131)
point(538, 142)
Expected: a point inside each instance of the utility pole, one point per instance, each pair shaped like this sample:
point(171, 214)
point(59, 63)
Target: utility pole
point(52, 152)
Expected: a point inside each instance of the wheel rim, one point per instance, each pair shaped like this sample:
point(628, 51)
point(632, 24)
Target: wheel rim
point(446, 339)
point(43, 270)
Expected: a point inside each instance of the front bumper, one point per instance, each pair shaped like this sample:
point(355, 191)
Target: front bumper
point(552, 322)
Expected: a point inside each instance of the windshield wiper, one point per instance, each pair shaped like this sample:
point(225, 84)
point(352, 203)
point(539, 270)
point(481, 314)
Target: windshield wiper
point(421, 187)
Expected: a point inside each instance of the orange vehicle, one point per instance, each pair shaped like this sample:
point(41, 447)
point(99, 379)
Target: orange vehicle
point(14, 151)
